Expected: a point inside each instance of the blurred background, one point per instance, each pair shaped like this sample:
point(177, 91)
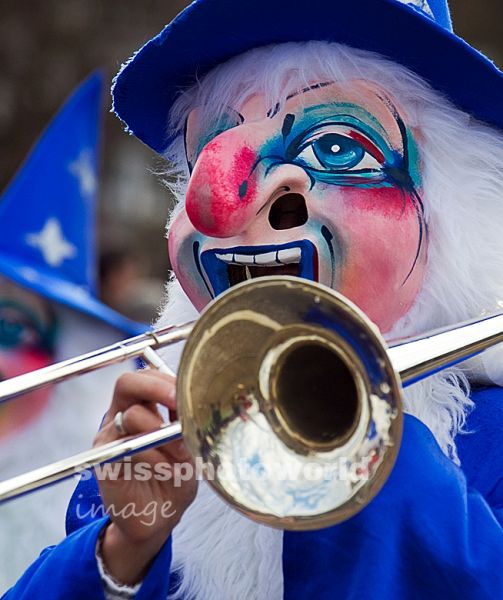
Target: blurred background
point(47, 48)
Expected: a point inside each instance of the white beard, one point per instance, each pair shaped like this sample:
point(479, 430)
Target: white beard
point(220, 554)
point(67, 425)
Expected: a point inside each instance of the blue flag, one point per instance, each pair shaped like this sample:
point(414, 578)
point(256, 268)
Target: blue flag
point(47, 213)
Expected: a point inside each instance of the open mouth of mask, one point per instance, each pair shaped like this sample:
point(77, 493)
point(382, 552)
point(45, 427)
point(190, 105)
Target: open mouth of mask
point(225, 267)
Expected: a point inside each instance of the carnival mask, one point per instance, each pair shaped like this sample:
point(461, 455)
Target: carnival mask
point(326, 187)
point(27, 331)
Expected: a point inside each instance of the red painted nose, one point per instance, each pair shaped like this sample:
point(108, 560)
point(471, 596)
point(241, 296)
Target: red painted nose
point(221, 198)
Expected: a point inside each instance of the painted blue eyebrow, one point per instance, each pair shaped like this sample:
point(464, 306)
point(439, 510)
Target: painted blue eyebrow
point(348, 106)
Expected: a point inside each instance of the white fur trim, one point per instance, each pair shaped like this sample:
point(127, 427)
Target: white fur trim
point(112, 589)
point(222, 555)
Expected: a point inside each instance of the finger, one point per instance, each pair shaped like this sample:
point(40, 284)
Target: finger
point(173, 415)
point(139, 419)
point(155, 372)
point(171, 412)
point(142, 387)
point(136, 420)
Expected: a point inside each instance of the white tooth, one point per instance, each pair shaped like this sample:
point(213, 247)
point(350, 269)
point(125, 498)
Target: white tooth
point(268, 258)
point(290, 255)
point(247, 273)
point(225, 257)
point(243, 259)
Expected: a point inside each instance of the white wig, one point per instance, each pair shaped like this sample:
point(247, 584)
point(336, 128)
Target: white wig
point(462, 164)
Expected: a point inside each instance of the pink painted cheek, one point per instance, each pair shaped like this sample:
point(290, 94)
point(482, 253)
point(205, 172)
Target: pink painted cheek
point(381, 230)
point(17, 415)
point(222, 189)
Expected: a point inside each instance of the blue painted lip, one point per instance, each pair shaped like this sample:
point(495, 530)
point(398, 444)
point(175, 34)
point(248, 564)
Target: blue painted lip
point(217, 270)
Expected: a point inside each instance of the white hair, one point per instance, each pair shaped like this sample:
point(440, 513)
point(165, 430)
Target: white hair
point(462, 167)
point(462, 163)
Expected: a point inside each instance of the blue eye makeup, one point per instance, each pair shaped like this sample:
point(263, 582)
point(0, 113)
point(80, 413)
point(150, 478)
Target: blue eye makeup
point(332, 150)
point(336, 143)
point(339, 149)
point(19, 326)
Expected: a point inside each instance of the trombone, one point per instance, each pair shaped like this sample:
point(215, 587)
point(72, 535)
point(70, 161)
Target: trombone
point(280, 378)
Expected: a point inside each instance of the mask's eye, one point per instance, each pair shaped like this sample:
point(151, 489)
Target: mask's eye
point(15, 331)
point(336, 152)
point(19, 327)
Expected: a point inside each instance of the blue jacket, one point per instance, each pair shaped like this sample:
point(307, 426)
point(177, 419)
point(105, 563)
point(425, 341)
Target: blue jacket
point(434, 531)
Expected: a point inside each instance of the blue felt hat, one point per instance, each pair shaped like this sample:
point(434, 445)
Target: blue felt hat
point(47, 213)
point(415, 33)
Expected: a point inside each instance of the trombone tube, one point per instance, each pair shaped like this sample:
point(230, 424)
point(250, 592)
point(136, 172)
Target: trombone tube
point(86, 363)
point(413, 360)
point(74, 465)
point(418, 358)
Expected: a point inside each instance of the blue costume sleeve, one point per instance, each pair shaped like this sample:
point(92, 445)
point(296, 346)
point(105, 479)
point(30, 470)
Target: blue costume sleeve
point(69, 570)
point(480, 449)
point(426, 535)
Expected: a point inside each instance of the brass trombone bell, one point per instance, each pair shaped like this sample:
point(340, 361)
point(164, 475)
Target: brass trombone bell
point(298, 396)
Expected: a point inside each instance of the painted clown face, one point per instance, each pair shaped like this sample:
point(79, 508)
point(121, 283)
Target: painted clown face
point(327, 188)
point(27, 328)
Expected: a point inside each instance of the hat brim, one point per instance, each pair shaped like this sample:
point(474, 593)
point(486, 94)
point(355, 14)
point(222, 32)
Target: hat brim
point(210, 32)
point(67, 293)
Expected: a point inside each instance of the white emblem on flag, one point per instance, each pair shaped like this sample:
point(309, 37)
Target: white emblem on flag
point(52, 243)
point(83, 169)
